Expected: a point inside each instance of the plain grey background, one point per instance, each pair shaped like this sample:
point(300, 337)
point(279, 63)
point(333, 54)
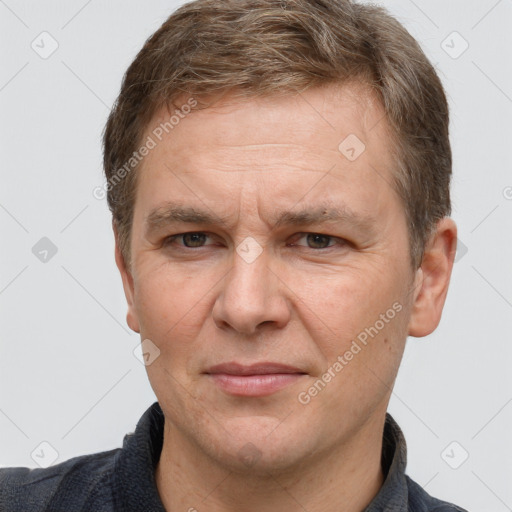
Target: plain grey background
point(68, 374)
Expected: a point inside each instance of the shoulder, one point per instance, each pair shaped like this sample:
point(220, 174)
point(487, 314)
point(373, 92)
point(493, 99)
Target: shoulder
point(80, 483)
point(421, 501)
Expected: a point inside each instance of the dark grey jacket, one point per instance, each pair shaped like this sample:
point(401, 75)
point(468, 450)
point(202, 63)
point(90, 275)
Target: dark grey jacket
point(123, 479)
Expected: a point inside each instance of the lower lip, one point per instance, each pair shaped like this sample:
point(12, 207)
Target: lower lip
point(254, 385)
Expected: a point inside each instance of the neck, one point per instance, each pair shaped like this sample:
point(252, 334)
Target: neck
point(346, 478)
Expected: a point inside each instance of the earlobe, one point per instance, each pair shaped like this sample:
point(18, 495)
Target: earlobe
point(131, 316)
point(432, 279)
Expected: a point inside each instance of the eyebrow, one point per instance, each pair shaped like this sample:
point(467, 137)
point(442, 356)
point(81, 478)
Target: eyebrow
point(172, 213)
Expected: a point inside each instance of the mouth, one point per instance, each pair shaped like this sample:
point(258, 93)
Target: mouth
point(259, 379)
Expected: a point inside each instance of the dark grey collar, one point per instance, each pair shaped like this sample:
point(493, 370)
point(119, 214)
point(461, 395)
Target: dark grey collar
point(134, 486)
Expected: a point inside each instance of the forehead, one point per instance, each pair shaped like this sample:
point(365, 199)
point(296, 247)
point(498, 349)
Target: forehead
point(320, 113)
point(339, 131)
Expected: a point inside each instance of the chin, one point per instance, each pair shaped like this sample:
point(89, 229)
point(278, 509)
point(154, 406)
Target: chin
point(262, 445)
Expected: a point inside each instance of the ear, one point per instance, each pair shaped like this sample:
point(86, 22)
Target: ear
point(131, 317)
point(432, 279)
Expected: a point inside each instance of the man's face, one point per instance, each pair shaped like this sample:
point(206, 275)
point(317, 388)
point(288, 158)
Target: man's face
point(246, 290)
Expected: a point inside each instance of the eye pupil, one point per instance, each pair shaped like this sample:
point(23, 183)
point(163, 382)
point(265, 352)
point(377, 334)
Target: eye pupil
point(318, 239)
point(196, 239)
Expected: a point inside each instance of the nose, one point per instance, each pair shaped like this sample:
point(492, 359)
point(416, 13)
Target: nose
point(253, 295)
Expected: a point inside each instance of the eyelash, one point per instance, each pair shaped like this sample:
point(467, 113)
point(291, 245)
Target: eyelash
point(168, 241)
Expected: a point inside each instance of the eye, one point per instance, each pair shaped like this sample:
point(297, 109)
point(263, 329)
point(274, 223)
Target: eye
point(320, 241)
point(198, 239)
point(190, 240)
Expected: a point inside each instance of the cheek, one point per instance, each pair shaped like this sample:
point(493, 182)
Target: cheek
point(168, 303)
point(347, 304)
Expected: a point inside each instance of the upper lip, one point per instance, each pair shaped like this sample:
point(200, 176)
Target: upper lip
point(263, 368)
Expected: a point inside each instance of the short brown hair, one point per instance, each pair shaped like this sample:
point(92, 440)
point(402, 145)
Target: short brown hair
point(263, 47)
